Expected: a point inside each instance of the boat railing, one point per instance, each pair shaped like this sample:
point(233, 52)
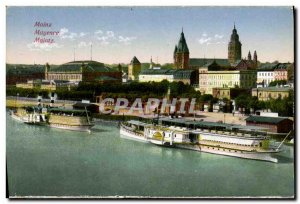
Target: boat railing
point(232, 133)
point(129, 130)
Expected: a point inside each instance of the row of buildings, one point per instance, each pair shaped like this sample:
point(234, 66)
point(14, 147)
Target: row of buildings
point(69, 75)
point(209, 75)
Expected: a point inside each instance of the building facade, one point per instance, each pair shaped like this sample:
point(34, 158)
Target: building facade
point(267, 93)
point(134, 69)
point(77, 71)
point(269, 72)
point(281, 71)
point(215, 76)
point(156, 75)
point(22, 73)
point(187, 76)
point(273, 124)
point(229, 93)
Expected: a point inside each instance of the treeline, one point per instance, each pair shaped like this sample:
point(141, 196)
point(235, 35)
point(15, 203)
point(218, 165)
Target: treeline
point(133, 90)
point(283, 106)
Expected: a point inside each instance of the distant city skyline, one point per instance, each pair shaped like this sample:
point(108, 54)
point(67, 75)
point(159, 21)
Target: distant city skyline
point(119, 33)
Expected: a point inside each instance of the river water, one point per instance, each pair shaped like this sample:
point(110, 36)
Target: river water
point(43, 161)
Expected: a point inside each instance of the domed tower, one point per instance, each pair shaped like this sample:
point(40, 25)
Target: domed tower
point(234, 47)
point(181, 54)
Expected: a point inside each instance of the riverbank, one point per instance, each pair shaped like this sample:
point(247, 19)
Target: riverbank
point(13, 102)
point(45, 161)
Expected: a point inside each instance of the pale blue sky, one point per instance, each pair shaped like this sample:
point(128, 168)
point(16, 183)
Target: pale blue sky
point(119, 33)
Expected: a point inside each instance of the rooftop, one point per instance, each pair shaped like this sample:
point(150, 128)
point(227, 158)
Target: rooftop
point(202, 62)
point(274, 88)
point(177, 73)
point(265, 119)
point(75, 66)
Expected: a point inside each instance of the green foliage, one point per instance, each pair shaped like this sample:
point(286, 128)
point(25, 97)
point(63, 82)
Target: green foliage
point(31, 93)
point(206, 97)
point(167, 66)
point(242, 101)
point(279, 82)
point(284, 107)
point(89, 91)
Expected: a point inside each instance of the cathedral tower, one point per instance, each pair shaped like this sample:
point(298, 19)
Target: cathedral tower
point(234, 47)
point(249, 56)
point(255, 58)
point(181, 54)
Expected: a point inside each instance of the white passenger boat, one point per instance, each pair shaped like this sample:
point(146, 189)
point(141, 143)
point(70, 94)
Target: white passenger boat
point(67, 119)
point(229, 143)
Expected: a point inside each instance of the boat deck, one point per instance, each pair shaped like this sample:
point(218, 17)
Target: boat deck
point(233, 146)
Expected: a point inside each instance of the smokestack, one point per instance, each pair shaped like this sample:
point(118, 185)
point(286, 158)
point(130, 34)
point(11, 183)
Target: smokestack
point(52, 100)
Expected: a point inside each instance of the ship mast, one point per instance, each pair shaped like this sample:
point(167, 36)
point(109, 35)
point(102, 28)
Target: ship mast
point(283, 141)
point(87, 115)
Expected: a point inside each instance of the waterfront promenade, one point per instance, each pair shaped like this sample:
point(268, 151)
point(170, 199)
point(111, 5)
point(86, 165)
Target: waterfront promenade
point(238, 119)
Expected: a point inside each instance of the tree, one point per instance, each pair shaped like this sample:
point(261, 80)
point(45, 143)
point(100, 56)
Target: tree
point(242, 101)
point(278, 82)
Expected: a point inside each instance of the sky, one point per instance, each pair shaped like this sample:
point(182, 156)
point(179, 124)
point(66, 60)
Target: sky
point(119, 33)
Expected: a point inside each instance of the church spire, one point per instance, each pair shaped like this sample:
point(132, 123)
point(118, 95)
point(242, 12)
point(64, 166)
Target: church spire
point(255, 58)
point(249, 56)
point(181, 53)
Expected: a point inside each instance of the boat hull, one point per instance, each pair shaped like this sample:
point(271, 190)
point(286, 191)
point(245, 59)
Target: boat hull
point(17, 118)
point(125, 133)
point(263, 156)
point(81, 128)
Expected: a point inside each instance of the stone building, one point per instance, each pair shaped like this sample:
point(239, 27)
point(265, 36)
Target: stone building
point(181, 54)
point(268, 72)
point(229, 93)
point(274, 124)
point(267, 93)
point(182, 61)
point(22, 73)
point(265, 74)
point(281, 71)
point(213, 75)
point(234, 47)
point(134, 68)
point(77, 71)
point(187, 76)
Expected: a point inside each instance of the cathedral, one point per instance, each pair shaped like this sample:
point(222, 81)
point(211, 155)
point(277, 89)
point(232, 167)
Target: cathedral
point(181, 53)
point(234, 47)
point(182, 60)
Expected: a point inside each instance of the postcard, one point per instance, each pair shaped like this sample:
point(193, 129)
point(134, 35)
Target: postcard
point(144, 102)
